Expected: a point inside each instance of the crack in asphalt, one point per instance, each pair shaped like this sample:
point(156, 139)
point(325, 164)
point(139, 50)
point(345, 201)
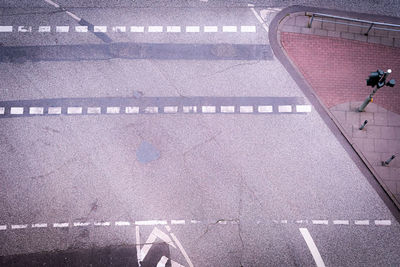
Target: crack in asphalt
point(229, 68)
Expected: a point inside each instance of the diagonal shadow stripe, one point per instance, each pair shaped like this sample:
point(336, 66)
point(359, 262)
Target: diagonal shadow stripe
point(101, 35)
point(136, 51)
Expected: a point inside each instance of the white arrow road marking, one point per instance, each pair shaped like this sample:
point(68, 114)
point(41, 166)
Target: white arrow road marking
point(156, 233)
point(162, 262)
point(312, 247)
point(258, 17)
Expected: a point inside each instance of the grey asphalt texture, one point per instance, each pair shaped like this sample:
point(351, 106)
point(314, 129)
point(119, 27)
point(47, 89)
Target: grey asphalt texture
point(249, 171)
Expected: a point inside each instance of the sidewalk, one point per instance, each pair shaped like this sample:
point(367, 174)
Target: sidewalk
point(336, 60)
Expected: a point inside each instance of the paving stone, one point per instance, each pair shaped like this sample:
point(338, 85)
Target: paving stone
point(388, 132)
point(307, 31)
point(302, 21)
point(289, 21)
point(339, 115)
point(382, 171)
point(387, 41)
point(354, 105)
point(380, 119)
point(373, 131)
point(382, 145)
point(391, 185)
point(320, 32)
point(343, 106)
point(382, 33)
point(290, 28)
point(347, 35)
point(354, 29)
point(397, 42)
point(395, 34)
point(367, 116)
point(333, 34)
point(341, 28)
point(353, 118)
point(371, 107)
point(328, 25)
point(360, 37)
point(316, 24)
point(356, 132)
point(397, 132)
point(373, 157)
point(368, 145)
point(398, 190)
point(374, 39)
point(394, 173)
point(382, 109)
point(393, 119)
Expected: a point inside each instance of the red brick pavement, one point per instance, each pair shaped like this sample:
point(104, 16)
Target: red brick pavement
point(337, 68)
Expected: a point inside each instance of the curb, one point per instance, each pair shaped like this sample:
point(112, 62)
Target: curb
point(355, 153)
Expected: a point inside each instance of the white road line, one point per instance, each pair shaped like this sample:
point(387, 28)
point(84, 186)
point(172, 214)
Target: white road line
point(194, 221)
point(151, 110)
point(62, 28)
point(94, 110)
point(301, 221)
point(54, 110)
point(229, 28)
point(119, 29)
point(258, 17)
point(102, 224)
point(137, 28)
point(341, 222)
point(75, 17)
point(248, 28)
point(210, 28)
point(122, 223)
point(285, 108)
point(312, 247)
point(168, 228)
point(39, 225)
point(265, 109)
point(52, 3)
point(113, 110)
point(178, 222)
point(303, 108)
point(19, 226)
point(246, 109)
point(81, 28)
point(222, 222)
point(185, 255)
point(173, 28)
point(77, 224)
point(36, 110)
point(284, 221)
point(44, 29)
point(74, 110)
point(192, 28)
point(24, 29)
point(326, 222)
point(361, 222)
point(100, 28)
point(171, 109)
point(138, 250)
point(60, 225)
point(208, 109)
point(2, 110)
point(227, 109)
point(17, 110)
point(3, 227)
point(189, 109)
point(6, 28)
point(155, 29)
point(162, 262)
point(383, 222)
point(151, 222)
point(130, 110)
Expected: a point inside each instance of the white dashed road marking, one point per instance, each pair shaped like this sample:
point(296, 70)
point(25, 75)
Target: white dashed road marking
point(303, 108)
point(35, 110)
point(151, 110)
point(192, 28)
point(62, 28)
point(155, 29)
point(320, 222)
point(74, 110)
point(137, 28)
point(246, 109)
point(229, 28)
point(312, 247)
point(171, 109)
point(44, 29)
point(39, 225)
point(173, 29)
point(285, 108)
point(151, 222)
point(265, 109)
point(189, 109)
point(210, 28)
point(208, 109)
point(177, 221)
point(81, 224)
point(17, 110)
point(130, 110)
point(81, 28)
point(6, 28)
point(60, 225)
point(2, 110)
point(54, 110)
point(3, 227)
point(228, 109)
point(341, 222)
point(102, 224)
point(100, 28)
point(94, 110)
point(19, 226)
point(248, 28)
point(361, 222)
point(113, 110)
point(122, 223)
point(383, 222)
point(119, 29)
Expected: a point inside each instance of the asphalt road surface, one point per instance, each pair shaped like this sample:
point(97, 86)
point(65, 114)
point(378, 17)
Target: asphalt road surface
point(151, 133)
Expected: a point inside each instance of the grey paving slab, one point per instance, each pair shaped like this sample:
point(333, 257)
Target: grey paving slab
point(389, 132)
point(347, 35)
point(374, 39)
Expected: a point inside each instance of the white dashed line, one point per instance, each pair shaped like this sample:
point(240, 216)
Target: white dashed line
point(130, 110)
point(151, 110)
point(229, 28)
point(361, 222)
point(210, 28)
point(320, 222)
point(44, 29)
point(171, 109)
point(2, 110)
point(6, 28)
point(162, 262)
point(54, 110)
point(100, 28)
point(119, 29)
point(248, 28)
point(173, 28)
point(177, 221)
point(192, 28)
point(113, 110)
point(222, 222)
point(60, 225)
point(227, 109)
point(265, 109)
point(17, 110)
point(137, 28)
point(341, 222)
point(155, 29)
point(383, 222)
point(189, 109)
point(81, 28)
point(301, 221)
point(19, 226)
point(102, 224)
point(3, 227)
point(94, 110)
point(246, 109)
point(35, 110)
point(122, 223)
point(285, 108)
point(39, 225)
point(208, 109)
point(312, 247)
point(194, 221)
point(74, 110)
point(151, 222)
point(62, 28)
point(77, 224)
point(303, 108)
point(24, 29)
